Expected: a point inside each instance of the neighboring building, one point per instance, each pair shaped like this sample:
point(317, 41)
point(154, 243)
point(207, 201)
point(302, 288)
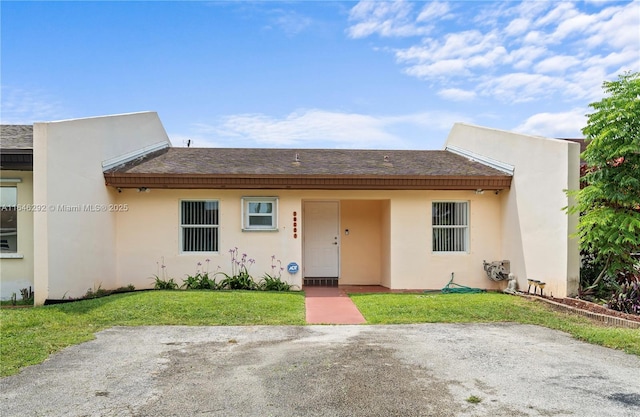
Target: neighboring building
point(16, 226)
point(119, 201)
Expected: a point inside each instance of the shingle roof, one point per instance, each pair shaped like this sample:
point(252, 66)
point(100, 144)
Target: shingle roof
point(306, 169)
point(16, 137)
point(16, 147)
point(332, 162)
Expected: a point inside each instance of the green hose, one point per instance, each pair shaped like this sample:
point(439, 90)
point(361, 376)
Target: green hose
point(453, 288)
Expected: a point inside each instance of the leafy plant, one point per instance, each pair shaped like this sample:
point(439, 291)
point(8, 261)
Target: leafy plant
point(609, 203)
point(627, 297)
point(594, 287)
point(96, 293)
point(201, 280)
point(239, 279)
point(474, 399)
point(271, 283)
point(165, 284)
point(162, 282)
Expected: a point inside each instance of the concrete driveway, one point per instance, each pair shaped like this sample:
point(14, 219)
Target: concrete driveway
point(403, 370)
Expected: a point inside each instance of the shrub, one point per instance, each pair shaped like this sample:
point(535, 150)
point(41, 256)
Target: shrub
point(201, 280)
point(164, 284)
point(273, 281)
point(239, 279)
point(627, 297)
point(270, 283)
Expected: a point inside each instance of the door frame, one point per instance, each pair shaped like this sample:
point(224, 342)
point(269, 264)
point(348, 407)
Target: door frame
point(304, 233)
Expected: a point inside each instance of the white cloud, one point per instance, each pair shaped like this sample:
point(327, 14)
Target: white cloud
point(319, 129)
point(441, 68)
point(561, 12)
point(523, 58)
point(555, 125)
point(387, 19)
point(556, 64)
point(20, 106)
point(456, 94)
point(521, 87)
point(291, 22)
point(434, 10)
point(617, 28)
point(515, 52)
point(517, 26)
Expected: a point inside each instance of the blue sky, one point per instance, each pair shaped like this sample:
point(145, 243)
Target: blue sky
point(317, 74)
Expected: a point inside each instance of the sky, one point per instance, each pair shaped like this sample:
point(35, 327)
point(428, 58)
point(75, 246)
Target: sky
point(316, 74)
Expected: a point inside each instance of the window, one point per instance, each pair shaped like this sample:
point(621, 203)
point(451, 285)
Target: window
point(9, 219)
point(199, 224)
point(450, 226)
point(259, 213)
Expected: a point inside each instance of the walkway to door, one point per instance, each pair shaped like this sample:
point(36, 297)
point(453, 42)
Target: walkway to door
point(332, 305)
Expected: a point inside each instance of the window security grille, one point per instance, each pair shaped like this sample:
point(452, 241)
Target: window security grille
point(450, 226)
point(199, 223)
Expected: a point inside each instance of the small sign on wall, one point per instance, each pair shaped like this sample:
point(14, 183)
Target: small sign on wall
point(293, 268)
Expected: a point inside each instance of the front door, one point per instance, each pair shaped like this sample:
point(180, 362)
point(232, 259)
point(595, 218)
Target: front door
point(320, 239)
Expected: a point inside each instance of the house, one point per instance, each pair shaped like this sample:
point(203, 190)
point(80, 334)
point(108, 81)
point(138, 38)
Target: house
point(109, 201)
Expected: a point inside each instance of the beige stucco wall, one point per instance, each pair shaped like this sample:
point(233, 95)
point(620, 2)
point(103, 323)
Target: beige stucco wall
point(389, 241)
point(75, 238)
point(16, 269)
point(535, 230)
point(149, 234)
point(414, 265)
point(361, 250)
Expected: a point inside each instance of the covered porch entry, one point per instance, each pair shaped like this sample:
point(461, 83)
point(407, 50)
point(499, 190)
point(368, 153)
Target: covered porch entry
point(345, 242)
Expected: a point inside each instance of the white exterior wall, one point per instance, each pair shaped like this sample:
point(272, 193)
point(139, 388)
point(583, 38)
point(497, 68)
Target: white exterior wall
point(535, 230)
point(75, 247)
point(16, 269)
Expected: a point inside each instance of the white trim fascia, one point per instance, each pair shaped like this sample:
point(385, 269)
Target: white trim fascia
point(500, 166)
point(11, 255)
point(10, 180)
point(138, 153)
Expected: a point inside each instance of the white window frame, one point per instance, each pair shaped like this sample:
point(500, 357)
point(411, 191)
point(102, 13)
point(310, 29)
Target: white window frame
point(466, 227)
point(246, 215)
point(184, 226)
point(6, 251)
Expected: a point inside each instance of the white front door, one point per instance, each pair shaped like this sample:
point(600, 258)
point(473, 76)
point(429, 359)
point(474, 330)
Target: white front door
point(321, 239)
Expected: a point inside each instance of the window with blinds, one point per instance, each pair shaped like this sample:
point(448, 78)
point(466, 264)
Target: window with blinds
point(450, 222)
point(199, 224)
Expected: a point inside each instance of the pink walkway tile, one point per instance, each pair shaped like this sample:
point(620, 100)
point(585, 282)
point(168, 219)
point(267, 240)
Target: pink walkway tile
point(330, 306)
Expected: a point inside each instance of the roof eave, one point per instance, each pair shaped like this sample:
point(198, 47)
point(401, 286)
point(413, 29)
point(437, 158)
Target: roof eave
point(318, 182)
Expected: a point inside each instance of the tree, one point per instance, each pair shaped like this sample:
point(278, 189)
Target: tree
point(609, 203)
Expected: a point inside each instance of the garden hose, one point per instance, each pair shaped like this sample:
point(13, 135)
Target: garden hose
point(453, 288)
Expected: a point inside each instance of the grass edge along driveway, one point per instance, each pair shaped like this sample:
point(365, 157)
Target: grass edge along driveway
point(487, 308)
point(29, 336)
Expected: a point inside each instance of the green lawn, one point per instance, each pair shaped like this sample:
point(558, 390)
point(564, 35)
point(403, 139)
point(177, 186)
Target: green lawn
point(489, 307)
point(29, 335)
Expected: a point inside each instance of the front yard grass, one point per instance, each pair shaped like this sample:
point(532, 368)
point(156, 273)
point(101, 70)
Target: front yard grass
point(29, 335)
point(486, 308)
